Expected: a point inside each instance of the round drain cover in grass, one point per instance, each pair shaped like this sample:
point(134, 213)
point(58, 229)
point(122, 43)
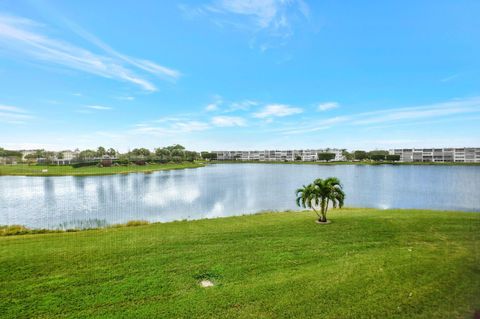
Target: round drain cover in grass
point(206, 283)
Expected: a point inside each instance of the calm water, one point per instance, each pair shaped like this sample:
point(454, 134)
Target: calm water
point(224, 190)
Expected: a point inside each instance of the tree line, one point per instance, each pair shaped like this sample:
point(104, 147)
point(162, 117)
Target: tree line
point(377, 155)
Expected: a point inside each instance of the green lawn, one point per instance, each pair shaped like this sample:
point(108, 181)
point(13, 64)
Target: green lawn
point(34, 170)
point(366, 264)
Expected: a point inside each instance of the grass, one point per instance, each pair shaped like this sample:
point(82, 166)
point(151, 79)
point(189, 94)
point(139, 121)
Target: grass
point(366, 264)
point(350, 163)
point(54, 170)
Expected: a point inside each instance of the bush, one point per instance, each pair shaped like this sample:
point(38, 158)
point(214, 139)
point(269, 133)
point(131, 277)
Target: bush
point(137, 223)
point(393, 158)
point(13, 230)
point(85, 164)
point(326, 156)
point(122, 161)
point(377, 157)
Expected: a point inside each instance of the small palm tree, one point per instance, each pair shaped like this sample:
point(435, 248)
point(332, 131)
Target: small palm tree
point(319, 194)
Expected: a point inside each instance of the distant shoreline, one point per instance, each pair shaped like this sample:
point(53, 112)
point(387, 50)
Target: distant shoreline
point(350, 163)
point(66, 170)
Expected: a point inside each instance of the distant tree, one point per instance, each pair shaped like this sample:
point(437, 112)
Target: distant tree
point(140, 152)
point(111, 152)
point(377, 157)
point(31, 156)
point(101, 151)
point(348, 156)
point(326, 156)
point(178, 154)
point(209, 155)
point(175, 147)
point(298, 158)
point(60, 155)
point(393, 158)
point(49, 157)
point(8, 153)
point(87, 154)
point(377, 152)
point(163, 154)
point(191, 156)
point(319, 194)
point(360, 155)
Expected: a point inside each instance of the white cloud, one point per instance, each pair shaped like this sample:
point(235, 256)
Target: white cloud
point(242, 105)
point(171, 126)
point(227, 121)
point(215, 105)
point(13, 115)
point(395, 116)
point(211, 107)
point(126, 98)
point(277, 110)
point(13, 109)
point(98, 107)
point(24, 37)
point(264, 19)
point(327, 106)
point(450, 78)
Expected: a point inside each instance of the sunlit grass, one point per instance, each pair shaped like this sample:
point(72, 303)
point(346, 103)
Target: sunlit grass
point(366, 264)
point(53, 170)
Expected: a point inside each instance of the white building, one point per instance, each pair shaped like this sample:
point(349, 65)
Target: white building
point(461, 155)
point(277, 155)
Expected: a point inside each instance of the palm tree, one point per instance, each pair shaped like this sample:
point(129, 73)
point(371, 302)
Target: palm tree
point(319, 194)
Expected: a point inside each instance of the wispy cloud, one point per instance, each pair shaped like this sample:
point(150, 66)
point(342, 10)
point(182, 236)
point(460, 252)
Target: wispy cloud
point(211, 107)
point(392, 116)
point(228, 121)
point(450, 78)
point(13, 115)
point(170, 126)
point(262, 18)
point(27, 38)
point(125, 98)
point(328, 106)
point(98, 107)
point(242, 105)
point(215, 105)
point(277, 110)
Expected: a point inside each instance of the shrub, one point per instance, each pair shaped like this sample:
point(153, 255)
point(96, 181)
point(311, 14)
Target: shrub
point(84, 164)
point(393, 158)
point(377, 157)
point(136, 223)
point(13, 230)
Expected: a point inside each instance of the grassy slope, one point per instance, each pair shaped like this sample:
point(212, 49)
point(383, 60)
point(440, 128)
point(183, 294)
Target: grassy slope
point(367, 263)
point(26, 170)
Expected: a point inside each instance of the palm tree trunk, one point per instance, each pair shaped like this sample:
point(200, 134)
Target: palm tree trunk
point(325, 211)
point(324, 217)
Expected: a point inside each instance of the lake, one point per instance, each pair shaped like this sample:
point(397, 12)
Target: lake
point(224, 190)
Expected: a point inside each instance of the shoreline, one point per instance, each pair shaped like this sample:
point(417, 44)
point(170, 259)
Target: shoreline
point(279, 264)
point(350, 163)
point(67, 170)
point(20, 230)
point(54, 170)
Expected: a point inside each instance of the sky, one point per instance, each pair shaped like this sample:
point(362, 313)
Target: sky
point(239, 75)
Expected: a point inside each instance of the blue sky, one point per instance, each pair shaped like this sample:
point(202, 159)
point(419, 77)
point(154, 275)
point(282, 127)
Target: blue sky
point(220, 74)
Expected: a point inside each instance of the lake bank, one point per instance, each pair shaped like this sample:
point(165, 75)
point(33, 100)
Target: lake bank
point(367, 263)
point(54, 170)
point(349, 163)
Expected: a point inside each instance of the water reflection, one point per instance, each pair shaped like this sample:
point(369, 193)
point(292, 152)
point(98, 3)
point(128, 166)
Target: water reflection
point(224, 190)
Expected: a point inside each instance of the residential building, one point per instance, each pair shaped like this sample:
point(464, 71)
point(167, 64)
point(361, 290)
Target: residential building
point(277, 155)
point(461, 155)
